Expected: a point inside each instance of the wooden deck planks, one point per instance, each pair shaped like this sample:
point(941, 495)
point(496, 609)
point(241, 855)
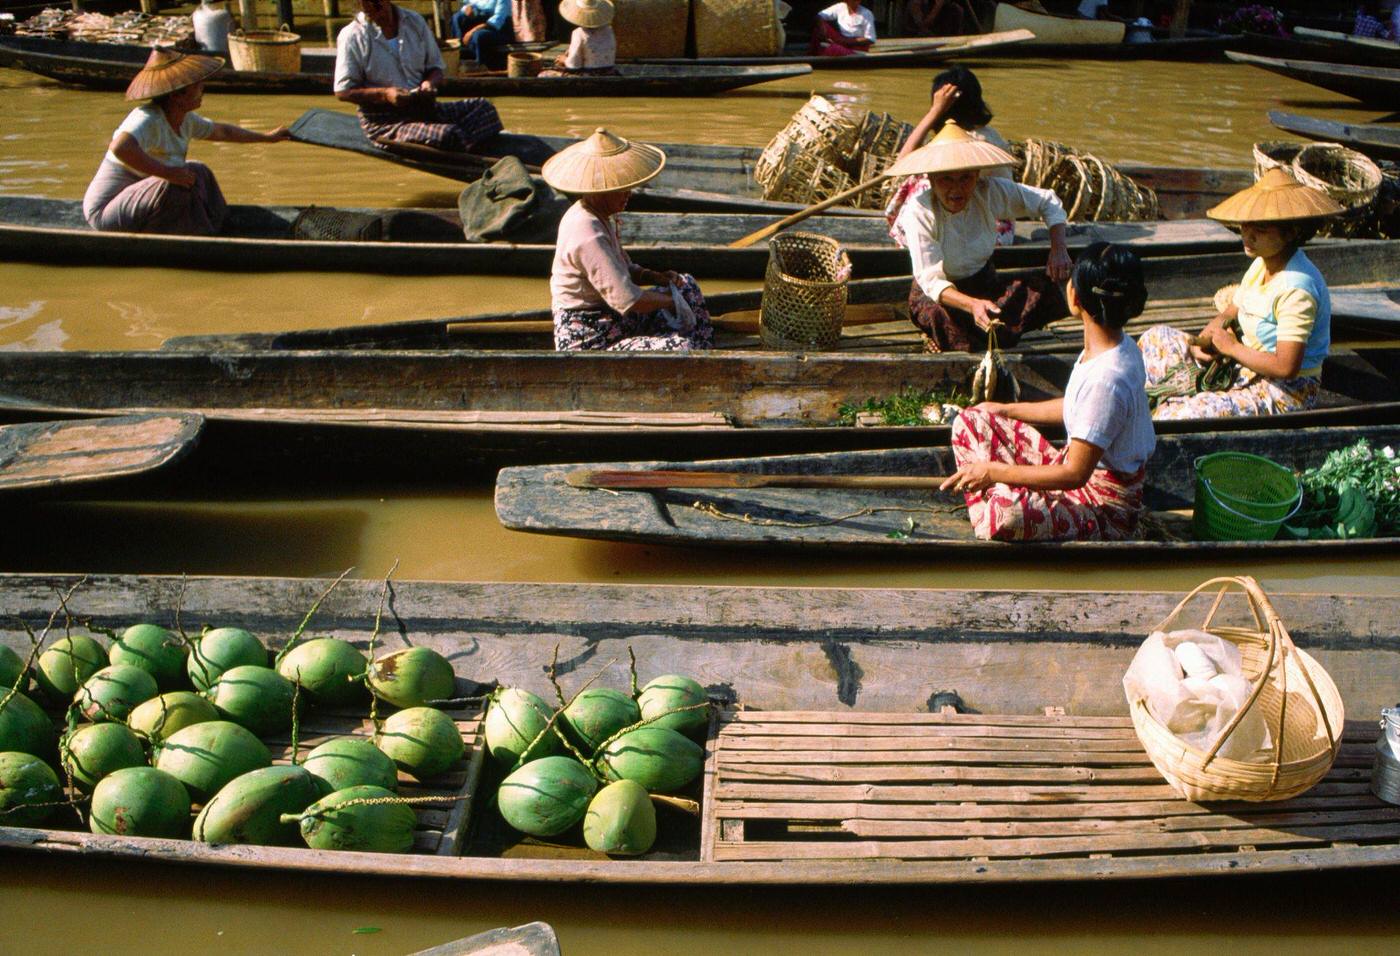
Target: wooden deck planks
point(812, 785)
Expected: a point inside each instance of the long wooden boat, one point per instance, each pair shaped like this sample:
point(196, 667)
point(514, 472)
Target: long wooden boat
point(1051, 29)
point(1376, 310)
point(541, 499)
point(1345, 48)
point(878, 320)
point(719, 178)
point(429, 241)
point(631, 79)
point(1378, 142)
point(898, 52)
point(58, 454)
point(1373, 85)
point(831, 759)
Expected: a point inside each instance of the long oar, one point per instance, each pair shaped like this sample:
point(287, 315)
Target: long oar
point(797, 217)
point(604, 478)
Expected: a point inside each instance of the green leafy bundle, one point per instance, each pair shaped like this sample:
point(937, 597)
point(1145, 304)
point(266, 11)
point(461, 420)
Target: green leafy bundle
point(1354, 493)
point(906, 408)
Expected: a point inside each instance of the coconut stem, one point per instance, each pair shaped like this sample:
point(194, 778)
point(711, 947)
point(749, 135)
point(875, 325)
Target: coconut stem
point(691, 807)
point(632, 666)
point(371, 802)
point(373, 639)
point(296, 635)
point(598, 751)
point(296, 720)
point(550, 725)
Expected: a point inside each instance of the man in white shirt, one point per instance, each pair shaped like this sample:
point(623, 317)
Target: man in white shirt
point(843, 29)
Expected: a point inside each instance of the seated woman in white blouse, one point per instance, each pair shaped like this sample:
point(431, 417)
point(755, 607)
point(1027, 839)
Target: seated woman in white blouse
point(951, 232)
point(843, 29)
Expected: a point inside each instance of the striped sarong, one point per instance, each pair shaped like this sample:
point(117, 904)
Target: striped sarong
point(456, 126)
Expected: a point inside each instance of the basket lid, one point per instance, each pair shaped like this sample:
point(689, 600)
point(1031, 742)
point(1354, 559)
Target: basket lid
point(953, 149)
point(587, 13)
point(602, 163)
point(1276, 197)
point(168, 70)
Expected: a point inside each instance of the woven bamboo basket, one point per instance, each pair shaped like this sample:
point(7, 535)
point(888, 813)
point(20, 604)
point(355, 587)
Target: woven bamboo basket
point(1298, 700)
point(1344, 174)
point(804, 292)
point(521, 65)
point(800, 164)
point(265, 51)
point(650, 27)
point(735, 28)
point(1089, 188)
point(1274, 153)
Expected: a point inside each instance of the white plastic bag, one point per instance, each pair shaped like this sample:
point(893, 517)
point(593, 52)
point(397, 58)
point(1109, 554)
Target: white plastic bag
point(680, 316)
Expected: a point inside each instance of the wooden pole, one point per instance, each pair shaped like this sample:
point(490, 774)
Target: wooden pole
point(797, 217)
point(332, 12)
point(247, 15)
point(150, 7)
point(285, 15)
point(1179, 18)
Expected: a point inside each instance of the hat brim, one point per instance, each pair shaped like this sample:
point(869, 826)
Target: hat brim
point(588, 19)
point(1300, 205)
point(963, 156)
point(594, 175)
point(189, 70)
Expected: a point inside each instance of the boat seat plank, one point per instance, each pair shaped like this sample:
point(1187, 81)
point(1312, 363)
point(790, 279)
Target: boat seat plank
point(968, 787)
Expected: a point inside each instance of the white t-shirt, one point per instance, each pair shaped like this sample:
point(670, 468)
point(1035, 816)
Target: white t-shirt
point(591, 49)
point(859, 25)
point(1106, 406)
point(148, 126)
point(364, 56)
point(944, 246)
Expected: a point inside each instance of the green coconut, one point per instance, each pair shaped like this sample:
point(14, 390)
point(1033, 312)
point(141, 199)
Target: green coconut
point(422, 741)
point(249, 808)
point(26, 782)
point(514, 719)
point(162, 716)
point(220, 649)
point(621, 820)
point(669, 692)
point(329, 670)
point(546, 796)
point(154, 650)
point(412, 677)
point(596, 714)
point(351, 762)
point(259, 698)
point(656, 757)
point(206, 756)
point(140, 801)
point(376, 827)
point(11, 669)
point(93, 751)
point(114, 692)
point(24, 727)
point(63, 668)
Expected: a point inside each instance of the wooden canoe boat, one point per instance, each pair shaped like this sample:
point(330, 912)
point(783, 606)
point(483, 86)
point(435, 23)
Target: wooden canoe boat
point(532, 939)
point(824, 763)
point(1376, 310)
point(1345, 48)
point(1378, 142)
point(1051, 29)
point(429, 241)
point(58, 454)
point(719, 178)
point(345, 416)
point(896, 52)
point(1176, 290)
point(632, 80)
point(1374, 85)
point(870, 521)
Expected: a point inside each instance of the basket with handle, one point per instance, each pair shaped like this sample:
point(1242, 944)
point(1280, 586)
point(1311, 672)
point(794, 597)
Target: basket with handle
point(1242, 497)
point(804, 292)
point(1296, 698)
point(265, 51)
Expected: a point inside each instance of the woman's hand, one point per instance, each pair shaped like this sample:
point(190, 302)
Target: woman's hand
point(974, 476)
point(180, 176)
point(943, 99)
point(278, 135)
point(1222, 340)
point(983, 312)
point(994, 408)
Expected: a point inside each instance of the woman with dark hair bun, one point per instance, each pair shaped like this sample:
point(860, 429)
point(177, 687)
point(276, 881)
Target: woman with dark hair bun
point(1017, 485)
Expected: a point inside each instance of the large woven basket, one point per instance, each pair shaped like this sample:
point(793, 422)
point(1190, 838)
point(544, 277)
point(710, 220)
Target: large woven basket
point(1344, 174)
point(650, 27)
point(804, 292)
point(1297, 699)
point(735, 27)
point(265, 51)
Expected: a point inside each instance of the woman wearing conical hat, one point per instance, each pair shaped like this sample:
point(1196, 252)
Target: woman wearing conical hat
point(145, 183)
point(597, 291)
point(951, 232)
point(593, 45)
point(1281, 308)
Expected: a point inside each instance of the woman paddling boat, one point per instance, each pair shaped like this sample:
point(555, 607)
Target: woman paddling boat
point(951, 232)
point(388, 64)
point(596, 290)
point(1017, 485)
point(145, 184)
point(1281, 308)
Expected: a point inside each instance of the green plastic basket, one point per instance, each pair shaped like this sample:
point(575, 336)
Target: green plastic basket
point(1242, 497)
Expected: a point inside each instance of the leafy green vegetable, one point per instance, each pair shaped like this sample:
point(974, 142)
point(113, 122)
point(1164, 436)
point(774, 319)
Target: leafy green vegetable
point(1354, 493)
point(907, 407)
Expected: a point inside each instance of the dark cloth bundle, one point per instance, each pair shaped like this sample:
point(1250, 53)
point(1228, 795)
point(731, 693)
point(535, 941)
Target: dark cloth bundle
point(507, 205)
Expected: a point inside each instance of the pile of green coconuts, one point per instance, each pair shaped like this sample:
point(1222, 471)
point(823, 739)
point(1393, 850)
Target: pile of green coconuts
point(157, 725)
point(599, 759)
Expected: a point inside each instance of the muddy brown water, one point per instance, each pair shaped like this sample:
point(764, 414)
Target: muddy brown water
point(51, 139)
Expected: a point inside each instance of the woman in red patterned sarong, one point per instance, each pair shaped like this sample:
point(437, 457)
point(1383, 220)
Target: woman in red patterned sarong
point(1017, 485)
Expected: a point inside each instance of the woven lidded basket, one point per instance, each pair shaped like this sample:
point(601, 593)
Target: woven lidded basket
point(1295, 696)
point(650, 27)
point(265, 51)
point(804, 292)
point(735, 27)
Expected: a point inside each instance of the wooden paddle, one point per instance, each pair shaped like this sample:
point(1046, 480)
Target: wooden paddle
point(604, 478)
point(797, 217)
point(740, 322)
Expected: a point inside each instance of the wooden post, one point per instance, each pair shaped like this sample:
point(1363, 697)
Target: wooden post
point(77, 6)
point(247, 15)
point(1179, 18)
point(331, 8)
point(151, 7)
point(285, 15)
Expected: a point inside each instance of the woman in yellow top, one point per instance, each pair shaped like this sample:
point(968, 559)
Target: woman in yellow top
point(1281, 308)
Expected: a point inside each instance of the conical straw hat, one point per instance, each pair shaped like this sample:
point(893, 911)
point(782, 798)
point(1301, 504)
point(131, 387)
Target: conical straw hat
point(587, 13)
point(602, 163)
point(954, 149)
point(1276, 197)
point(168, 70)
